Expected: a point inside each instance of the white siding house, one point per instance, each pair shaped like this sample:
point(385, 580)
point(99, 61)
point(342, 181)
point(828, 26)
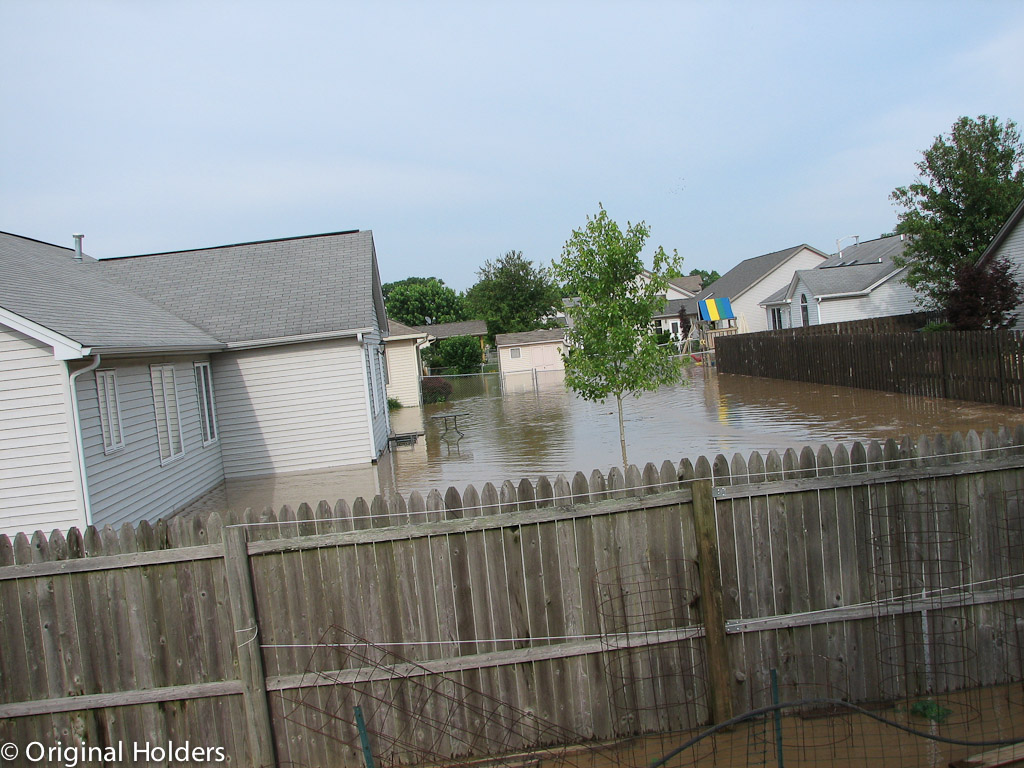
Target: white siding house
point(39, 482)
point(859, 283)
point(130, 387)
point(531, 351)
point(1009, 244)
point(404, 364)
point(746, 284)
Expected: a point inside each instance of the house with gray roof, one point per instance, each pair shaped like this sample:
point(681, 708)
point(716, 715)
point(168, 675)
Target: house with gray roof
point(750, 281)
point(134, 385)
point(858, 283)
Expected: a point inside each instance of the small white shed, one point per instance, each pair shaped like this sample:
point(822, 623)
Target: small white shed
point(531, 350)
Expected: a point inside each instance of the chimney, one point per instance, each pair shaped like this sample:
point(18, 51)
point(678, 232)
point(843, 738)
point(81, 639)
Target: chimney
point(78, 247)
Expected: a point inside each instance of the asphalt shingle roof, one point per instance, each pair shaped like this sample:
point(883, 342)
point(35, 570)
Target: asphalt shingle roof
point(859, 267)
point(745, 274)
point(447, 330)
point(264, 290)
point(691, 283)
point(530, 337)
point(43, 283)
point(673, 307)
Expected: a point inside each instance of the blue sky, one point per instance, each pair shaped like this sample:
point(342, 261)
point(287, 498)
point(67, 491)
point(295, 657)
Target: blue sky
point(459, 131)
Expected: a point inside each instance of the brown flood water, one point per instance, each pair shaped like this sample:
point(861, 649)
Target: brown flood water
point(529, 428)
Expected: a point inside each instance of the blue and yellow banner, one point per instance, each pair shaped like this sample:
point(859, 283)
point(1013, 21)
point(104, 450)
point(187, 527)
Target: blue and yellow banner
point(715, 309)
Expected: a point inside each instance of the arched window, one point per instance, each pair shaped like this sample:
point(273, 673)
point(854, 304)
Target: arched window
point(804, 315)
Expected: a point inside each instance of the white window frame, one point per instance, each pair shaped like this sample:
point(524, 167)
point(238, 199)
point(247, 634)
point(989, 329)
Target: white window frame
point(111, 431)
point(167, 405)
point(382, 381)
point(515, 353)
point(207, 402)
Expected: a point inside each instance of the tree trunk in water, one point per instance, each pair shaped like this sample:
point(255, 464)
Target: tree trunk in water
point(622, 435)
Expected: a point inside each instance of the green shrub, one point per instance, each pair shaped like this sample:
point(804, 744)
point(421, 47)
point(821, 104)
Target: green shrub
point(394, 403)
point(458, 354)
point(436, 389)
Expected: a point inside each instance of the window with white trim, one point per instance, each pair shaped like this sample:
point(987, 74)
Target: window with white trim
point(381, 380)
point(207, 409)
point(110, 411)
point(515, 353)
point(168, 420)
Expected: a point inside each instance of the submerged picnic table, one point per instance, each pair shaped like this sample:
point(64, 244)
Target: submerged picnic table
point(454, 426)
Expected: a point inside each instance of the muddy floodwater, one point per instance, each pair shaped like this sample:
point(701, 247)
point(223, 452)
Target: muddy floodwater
point(528, 427)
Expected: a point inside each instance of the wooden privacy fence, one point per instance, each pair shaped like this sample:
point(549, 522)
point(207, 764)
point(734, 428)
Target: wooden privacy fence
point(982, 366)
point(222, 632)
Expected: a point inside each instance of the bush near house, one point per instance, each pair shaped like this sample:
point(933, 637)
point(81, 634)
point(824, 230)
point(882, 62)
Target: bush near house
point(436, 389)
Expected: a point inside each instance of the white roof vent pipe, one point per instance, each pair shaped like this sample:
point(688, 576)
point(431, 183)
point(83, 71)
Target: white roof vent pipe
point(839, 251)
point(78, 246)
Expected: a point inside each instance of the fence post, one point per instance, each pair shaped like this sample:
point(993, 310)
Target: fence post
point(250, 657)
point(711, 608)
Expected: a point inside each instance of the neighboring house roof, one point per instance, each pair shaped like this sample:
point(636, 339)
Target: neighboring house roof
point(748, 272)
point(315, 286)
point(447, 330)
point(529, 337)
point(1004, 232)
point(45, 285)
point(688, 283)
point(673, 307)
point(403, 331)
point(860, 269)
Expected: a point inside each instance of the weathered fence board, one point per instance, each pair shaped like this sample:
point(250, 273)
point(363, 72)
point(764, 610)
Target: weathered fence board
point(982, 366)
point(583, 613)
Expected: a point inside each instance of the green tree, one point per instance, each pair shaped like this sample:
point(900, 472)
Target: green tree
point(970, 181)
point(613, 348)
point(461, 354)
point(512, 295)
point(413, 303)
point(706, 277)
point(386, 288)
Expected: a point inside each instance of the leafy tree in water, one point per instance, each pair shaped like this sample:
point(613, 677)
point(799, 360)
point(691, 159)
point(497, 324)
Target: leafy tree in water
point(461, 354)
point(613, 348)
point(969, 183)
point(413, 303)
point(512, 295)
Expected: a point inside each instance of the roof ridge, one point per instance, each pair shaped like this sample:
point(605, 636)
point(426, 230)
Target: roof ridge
point(236, 245)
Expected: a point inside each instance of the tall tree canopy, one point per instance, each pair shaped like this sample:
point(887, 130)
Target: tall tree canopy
point(418, 301)
point(707, 277)
point(512, 295)
point(970, 181)
point(613, 349)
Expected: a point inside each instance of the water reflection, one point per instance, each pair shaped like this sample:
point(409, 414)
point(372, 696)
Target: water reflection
point(526, 427)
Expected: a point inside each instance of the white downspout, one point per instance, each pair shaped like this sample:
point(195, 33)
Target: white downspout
point(78, 434)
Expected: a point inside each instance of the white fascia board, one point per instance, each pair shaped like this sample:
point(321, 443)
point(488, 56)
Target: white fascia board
point(354, 333)
point(63, 347)
point(535, 343)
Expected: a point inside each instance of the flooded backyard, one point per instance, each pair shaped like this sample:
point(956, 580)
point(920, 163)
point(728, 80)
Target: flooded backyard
point(531, 426)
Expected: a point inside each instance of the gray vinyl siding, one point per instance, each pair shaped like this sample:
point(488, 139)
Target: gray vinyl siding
point(292, 408)
point(795, 308)
point(131, 484)
point(39, 486)
point(893, 297)
point(380, 418)
point(1012, 248)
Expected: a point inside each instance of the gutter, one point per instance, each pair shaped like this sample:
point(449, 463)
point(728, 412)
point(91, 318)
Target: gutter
point(356, 333)
point(73, 379)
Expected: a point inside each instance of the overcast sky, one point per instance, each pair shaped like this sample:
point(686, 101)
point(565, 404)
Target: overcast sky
point(459, 131)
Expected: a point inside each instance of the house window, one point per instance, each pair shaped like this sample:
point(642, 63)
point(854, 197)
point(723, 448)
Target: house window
point(168, 422)
point(515, 353)
point(381, 379)
point(207, 410)
point(110, 411)
point(776, 318)
point(804, 316)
